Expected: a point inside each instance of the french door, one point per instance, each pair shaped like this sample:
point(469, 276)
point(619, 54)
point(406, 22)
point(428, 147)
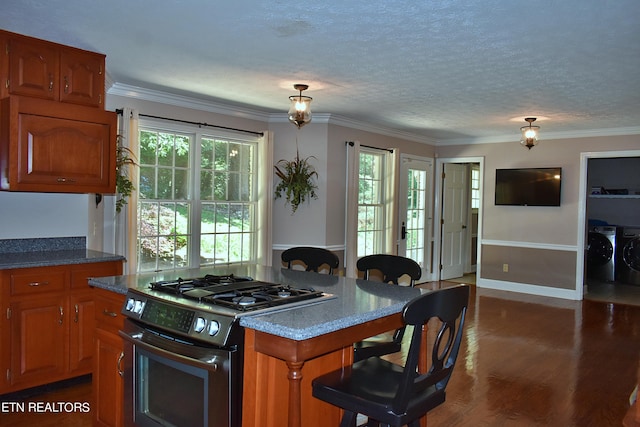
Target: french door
point(414, 219)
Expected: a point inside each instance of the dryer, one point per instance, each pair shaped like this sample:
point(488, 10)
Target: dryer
point(628, 256)
point(601, 253)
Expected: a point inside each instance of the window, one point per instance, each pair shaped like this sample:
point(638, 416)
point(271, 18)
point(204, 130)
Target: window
point(475, 186)
point(371, 203)
point(197, 199)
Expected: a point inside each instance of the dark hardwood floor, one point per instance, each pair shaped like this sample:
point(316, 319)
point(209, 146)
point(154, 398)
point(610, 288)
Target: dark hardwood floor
point(536, 361)
point(525, 361)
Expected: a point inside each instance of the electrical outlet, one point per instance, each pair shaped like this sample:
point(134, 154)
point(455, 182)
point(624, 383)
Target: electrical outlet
point(505, 268)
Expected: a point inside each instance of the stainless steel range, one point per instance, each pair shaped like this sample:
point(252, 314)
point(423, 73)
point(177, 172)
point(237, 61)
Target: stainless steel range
point(183, 347)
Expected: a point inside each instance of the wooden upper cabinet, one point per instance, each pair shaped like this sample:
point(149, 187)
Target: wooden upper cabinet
point(4, 64)
point(55, 72)
point(48, 149)
point(82, 77)
point(34, 68)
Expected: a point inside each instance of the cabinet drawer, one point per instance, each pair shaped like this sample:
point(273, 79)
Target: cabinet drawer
point(108, 316)
point(80, 274)
point(38, 280)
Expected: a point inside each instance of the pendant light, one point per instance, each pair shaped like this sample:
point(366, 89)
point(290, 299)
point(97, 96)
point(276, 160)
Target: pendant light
point(300, 109)
point(530, 133)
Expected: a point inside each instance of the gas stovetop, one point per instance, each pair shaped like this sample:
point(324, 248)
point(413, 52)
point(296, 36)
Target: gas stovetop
point(235, 292)
point(206, 308)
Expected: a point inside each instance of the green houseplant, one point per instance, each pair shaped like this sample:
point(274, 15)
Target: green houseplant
point(296, 181)
point(124, 186)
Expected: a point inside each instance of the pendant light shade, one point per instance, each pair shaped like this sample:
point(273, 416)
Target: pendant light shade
point(300, 108)
point(530, 134)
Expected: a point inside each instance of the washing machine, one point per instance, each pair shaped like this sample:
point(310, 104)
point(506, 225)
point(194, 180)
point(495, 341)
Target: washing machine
point(628, 256)
point(601, 253)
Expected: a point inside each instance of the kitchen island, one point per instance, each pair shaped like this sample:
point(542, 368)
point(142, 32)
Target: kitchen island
point(285, 349)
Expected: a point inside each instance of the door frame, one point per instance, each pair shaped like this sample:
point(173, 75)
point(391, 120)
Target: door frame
point(437, 212)
point(582, 204)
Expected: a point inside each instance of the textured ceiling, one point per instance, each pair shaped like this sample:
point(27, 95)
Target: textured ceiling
point(443, 70)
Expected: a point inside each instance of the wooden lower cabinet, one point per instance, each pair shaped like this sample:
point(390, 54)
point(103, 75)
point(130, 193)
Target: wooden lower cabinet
point(108, 384)
point(81, 332)
point(38, 335)
point(48, 323)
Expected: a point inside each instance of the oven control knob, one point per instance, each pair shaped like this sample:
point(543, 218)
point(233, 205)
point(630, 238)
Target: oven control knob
point(130, 304)
point(199, 325)
point(138, 307)
point(214, 327)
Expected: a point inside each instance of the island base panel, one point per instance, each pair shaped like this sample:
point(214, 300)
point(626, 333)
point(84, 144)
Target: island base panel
point(266, 388)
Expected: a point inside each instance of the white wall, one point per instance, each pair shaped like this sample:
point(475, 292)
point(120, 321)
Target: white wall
point(31, 215)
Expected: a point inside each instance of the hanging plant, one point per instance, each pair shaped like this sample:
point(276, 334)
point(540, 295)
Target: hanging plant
point(124, 186)
point(296, 183)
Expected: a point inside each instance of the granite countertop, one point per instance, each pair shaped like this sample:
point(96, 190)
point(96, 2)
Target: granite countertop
point(354, 301)
point(44, 252)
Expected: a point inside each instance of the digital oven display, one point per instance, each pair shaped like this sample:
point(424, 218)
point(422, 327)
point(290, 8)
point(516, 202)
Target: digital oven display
point(168, 316)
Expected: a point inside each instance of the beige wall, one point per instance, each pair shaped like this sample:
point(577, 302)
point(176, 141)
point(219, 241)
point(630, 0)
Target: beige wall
point(540, 244)
point(321, 222)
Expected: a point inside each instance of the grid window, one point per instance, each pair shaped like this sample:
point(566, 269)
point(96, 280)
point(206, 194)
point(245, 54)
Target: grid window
point(197, 200)
point(371, 203)
point(416, 213)
point(475, 187)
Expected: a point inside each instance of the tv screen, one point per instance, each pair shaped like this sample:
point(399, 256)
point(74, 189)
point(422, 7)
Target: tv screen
point(528, 187)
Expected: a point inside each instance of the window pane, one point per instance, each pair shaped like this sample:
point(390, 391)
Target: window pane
point(227, 172)
point(370, 204)
point(148, 144)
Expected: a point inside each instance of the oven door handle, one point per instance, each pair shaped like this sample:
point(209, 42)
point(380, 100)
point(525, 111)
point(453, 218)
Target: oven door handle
point(146, 340)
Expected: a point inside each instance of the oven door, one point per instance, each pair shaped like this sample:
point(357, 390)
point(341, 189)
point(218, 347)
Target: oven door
point(170, 382)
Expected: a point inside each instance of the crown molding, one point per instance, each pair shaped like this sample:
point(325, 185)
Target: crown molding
point(136, 92)
point(333, 119)
point(585, 133)
point(128, 91)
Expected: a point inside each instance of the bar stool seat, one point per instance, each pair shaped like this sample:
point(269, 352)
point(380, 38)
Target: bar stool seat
point(394, 395)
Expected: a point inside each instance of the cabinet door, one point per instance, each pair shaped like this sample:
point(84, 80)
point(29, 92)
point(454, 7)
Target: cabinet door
point(68, 150)
point(82, 77)
point(33, 68)
point(4, 65)
point(108, 385)
point(38, 340)
point(81, 332)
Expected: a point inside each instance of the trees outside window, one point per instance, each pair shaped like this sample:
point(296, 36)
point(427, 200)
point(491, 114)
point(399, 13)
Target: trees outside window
point(197, 199)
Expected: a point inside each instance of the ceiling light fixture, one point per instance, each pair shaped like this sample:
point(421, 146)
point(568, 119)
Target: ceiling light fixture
point(300, 109)
point(529, 133)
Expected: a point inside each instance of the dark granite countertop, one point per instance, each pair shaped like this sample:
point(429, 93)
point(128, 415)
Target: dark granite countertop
point(44, 252)
point(356, 301)
point(51, 258)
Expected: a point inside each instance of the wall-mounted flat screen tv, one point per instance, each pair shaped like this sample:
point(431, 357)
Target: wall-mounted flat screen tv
point(528, 187)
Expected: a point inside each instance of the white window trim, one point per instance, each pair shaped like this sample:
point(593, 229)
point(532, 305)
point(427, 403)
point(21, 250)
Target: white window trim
point(351, 225)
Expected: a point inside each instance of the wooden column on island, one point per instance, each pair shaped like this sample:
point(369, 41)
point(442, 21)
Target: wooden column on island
point(278, 373)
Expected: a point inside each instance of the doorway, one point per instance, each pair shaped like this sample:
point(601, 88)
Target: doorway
point(609, 185)
point(458, 217)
